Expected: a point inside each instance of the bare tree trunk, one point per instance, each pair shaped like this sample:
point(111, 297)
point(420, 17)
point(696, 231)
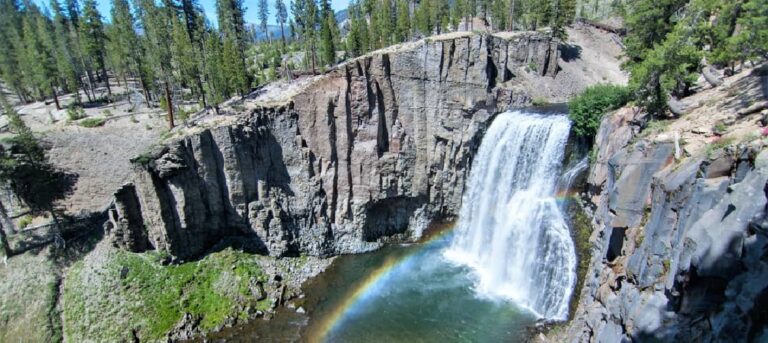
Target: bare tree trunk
point(169, 103)
point(106, 80)
point(282, 34)
point(5, 223)
point(55, 96)
point(511, 25)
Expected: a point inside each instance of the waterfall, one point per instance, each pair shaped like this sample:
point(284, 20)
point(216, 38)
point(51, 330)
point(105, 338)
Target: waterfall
point(570, 175)
point(511, 231)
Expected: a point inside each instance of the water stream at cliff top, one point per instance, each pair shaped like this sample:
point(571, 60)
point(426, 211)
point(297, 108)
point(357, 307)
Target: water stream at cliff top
point(508, 262)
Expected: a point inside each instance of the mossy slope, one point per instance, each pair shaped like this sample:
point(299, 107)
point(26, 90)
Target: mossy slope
point(115, 295)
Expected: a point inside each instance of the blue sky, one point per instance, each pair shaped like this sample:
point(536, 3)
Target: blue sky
point(209, 6)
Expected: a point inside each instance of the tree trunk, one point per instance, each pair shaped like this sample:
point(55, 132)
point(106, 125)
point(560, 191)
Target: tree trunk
point(282, 35)
point(511, 25)
point(55, 96)
point(106, 81)
point(314, 70)
point(5, 224)
point(169, 103)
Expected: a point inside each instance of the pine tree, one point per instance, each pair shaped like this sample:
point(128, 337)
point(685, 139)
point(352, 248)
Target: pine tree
point(563, 13)
point(752, 40)
point(281, 13)
point(47, 55)
point(11, 53)
point(263, 8)
point(216, 82)
point(328, 33)
point(156, 21)
point(232, 28)
point(93, 37)
point(423, 18)
point(403, 17)
point(306, 15)
point(65, 60)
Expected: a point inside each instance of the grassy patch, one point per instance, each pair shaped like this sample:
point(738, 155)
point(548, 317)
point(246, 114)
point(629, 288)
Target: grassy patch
point(25, 221)
point(75, 113)
point(28, 300)
point(151, 299)
point(92, 122)
point(655, 126)
point(721, 143)
point(538, 102)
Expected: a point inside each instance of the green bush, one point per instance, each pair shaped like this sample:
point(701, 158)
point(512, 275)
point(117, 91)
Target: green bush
point(25, 221)
point(587, 108)
point(75, 113)
point(92, 122)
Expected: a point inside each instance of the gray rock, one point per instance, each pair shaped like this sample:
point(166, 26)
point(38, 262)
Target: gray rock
point(369, 153)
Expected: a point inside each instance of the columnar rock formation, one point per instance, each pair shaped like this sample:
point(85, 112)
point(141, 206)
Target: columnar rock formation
point(679, 246)
point(371, 151)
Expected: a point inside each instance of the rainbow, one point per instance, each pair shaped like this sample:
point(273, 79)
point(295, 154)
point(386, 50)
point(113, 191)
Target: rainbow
point(332, 320)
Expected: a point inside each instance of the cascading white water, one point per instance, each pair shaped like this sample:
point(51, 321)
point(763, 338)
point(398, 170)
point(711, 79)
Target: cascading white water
point(511, 230)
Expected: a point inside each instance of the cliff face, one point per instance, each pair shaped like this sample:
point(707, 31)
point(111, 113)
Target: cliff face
point(371, 151)
point(679, 235)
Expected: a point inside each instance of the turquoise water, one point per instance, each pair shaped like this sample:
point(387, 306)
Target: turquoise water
point(420, 297)
point(401, 293)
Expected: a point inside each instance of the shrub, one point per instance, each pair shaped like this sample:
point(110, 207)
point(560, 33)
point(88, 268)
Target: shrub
point(587, 108)
point(75, 113)
point(92, 122)
point(25, 221)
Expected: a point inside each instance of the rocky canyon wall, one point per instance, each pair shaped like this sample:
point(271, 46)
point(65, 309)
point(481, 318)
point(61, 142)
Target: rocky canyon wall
point(372, 151)
point(679, 242)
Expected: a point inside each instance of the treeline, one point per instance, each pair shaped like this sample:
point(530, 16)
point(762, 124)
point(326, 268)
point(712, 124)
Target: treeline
point(170, 49)
point(669, 42)
point(375, 24)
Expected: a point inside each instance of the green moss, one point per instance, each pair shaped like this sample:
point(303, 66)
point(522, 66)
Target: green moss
point(154, 298)
point(666, 264)
point(143, 159)
point(581, 231)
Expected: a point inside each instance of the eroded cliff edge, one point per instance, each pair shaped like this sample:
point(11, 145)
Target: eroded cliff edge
point(372, 151)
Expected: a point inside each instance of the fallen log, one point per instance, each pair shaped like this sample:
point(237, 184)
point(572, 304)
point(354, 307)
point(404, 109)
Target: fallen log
point(605, 27)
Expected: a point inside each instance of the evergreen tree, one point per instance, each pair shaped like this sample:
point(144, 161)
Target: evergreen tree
point(563, 13)
point(93, 38)
point(65, 60)
point(306, 15)
point(751, 42)
point(13, 47)
point(263, 8)
point(403, 17)
point(328, 33)
point(281, 13)
point(232, 28)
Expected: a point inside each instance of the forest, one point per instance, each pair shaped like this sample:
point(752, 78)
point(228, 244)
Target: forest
point(169, 50)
